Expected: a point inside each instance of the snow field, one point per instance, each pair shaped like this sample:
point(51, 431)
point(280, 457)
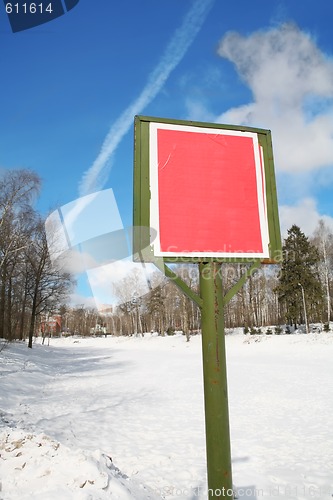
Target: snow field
point(123, 418)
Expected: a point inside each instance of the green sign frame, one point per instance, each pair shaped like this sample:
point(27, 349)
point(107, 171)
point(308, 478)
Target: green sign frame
point(143, 236)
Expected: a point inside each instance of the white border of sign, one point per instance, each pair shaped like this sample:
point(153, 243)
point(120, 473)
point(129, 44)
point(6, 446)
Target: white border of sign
point(154, 200)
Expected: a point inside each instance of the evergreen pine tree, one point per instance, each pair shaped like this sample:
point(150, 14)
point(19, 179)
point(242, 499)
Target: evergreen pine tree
point(299, 269)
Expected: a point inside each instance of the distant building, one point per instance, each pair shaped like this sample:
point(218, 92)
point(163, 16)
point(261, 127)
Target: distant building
point(105, 309)
point(98, 330)
point(51, 325)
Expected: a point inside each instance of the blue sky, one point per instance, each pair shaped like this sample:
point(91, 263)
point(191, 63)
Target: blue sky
point(70, 87)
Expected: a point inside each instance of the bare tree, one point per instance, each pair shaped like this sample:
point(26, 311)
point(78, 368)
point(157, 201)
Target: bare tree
point(48, 283)
point(323, 240)
point(18, 189)
point(129, 292)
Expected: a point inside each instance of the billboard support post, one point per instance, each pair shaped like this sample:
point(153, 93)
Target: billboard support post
point(205, 193)
point(215, 383)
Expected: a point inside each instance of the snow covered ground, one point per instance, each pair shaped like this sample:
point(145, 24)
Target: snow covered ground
point(122, 418)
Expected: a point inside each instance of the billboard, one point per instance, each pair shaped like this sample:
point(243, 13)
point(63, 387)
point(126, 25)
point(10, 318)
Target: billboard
point(206, 191)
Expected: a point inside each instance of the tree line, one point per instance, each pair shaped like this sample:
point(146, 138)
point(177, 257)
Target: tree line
point(297, 290)
point(29, 283)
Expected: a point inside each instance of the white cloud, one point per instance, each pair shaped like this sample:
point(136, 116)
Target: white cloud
point(197, 111)
point(77, 300)
point(75, 261)
point(292, 85)
point(119, 281)
point(304, 214)
point(95, 177)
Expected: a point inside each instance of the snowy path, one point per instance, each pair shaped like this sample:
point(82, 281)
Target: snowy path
point(140, 402)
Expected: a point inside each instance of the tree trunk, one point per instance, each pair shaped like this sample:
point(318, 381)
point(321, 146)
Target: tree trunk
point(9, 310)
point(32, 320)
point(3, 303)
point(22, 321)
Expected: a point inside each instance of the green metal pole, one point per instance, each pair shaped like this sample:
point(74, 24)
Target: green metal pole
point(215, 383)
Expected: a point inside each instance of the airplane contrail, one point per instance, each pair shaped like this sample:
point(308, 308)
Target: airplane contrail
point(95, 177)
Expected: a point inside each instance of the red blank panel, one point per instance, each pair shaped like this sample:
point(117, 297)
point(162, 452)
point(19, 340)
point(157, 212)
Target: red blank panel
point(207, 193)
